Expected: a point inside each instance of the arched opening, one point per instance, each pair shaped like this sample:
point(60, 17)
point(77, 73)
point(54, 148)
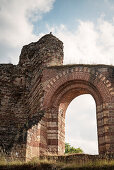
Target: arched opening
point(57, 104)
point(81, 124)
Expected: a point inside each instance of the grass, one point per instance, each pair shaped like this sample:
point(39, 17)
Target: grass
point(36, 164)
point(92, 165)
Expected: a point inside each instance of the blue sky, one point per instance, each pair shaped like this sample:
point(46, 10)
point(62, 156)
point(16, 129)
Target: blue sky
point(86, 28)
point(68, 12)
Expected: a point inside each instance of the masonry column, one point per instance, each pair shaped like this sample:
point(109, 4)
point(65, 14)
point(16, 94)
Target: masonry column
point(52, 131)
point(105, 123)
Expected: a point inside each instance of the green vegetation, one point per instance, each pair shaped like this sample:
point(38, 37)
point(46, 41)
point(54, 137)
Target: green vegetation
point(96, 165)
point(45, 164)
point(70, 149)
point(36, 164)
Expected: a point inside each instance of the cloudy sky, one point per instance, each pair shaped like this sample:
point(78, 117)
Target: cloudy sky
point(87, 29)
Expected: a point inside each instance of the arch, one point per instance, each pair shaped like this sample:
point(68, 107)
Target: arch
point(61, 90)
point(95, 79)
point(79, 87)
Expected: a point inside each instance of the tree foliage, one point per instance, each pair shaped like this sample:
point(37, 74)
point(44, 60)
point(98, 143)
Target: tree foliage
point(70, 149)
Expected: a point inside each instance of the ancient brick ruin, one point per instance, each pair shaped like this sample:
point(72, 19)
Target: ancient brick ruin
point(35, 94)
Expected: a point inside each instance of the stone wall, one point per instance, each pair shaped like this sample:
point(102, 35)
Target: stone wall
point(21, 97)
point(80, 158)
point(35, 94)
point(12, 109)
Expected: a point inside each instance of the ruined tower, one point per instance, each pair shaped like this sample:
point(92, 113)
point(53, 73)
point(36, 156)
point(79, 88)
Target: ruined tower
point(48, 51)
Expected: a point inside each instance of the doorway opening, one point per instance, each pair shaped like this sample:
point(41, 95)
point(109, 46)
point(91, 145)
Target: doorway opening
point(81, 124)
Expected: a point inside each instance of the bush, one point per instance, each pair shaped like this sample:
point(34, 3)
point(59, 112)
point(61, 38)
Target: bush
point(70, 149)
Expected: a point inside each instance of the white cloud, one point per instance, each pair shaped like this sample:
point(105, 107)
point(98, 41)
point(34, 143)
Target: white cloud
point(89, 43)
point(88, 146)
point(109, 4)
point(16, 28)
point(80, 124)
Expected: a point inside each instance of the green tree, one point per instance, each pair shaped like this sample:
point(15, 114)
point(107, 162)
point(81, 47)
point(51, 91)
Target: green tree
point(70, 149)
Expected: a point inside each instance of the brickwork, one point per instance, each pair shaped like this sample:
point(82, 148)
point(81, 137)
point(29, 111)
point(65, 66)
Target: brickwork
point(35, 94)
point(72, 81)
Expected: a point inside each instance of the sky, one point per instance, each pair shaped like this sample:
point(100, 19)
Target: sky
point(81, 126)
point(86, 28)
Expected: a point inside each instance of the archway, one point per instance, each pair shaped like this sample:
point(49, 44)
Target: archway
point(81, 125)
point(61, 90)
point(60, 101)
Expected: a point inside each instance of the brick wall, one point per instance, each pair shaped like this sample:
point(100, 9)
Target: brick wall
point(64, 83)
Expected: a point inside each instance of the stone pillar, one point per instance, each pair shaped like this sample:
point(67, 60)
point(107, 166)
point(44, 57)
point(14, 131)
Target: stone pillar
point(105, 128)
point(52, 131)
point(37, 140)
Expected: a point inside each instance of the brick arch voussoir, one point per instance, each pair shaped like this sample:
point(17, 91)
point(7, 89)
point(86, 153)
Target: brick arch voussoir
point(83, 74)
point(82, 87)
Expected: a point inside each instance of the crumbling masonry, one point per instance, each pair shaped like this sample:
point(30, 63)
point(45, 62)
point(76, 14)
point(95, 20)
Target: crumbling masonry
point(35, 94)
